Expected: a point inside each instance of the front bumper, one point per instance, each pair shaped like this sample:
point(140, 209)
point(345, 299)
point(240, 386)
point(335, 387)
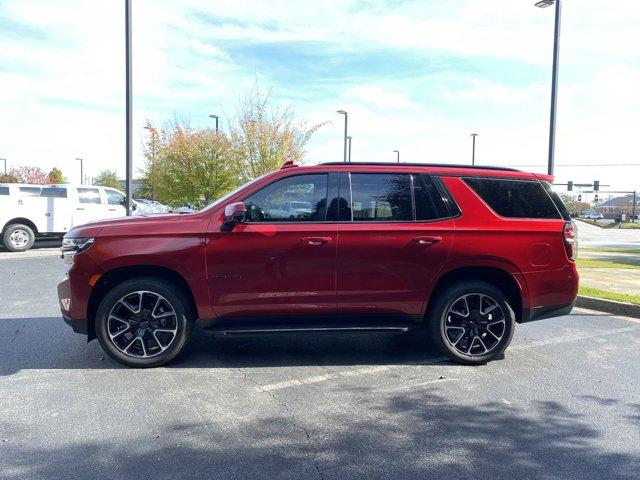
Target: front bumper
point(79, 325)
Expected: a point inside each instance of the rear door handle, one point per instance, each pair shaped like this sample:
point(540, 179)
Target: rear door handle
point(315, 241)
point(427, 240)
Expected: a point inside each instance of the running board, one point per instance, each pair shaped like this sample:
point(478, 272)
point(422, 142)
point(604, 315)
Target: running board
point(306, 329)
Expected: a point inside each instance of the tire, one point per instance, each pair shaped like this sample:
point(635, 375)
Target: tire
point(479, 336)
point(144, 322)
point(18, 238)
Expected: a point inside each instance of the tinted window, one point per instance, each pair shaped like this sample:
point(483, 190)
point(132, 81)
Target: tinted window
point(381, 197)
point(430, 205)
point(4, 190)
point(515, 198)
point(88, 195)
point(53, 192)
point(30, 191)
point(115, 198)
point(557, 201)
point(301, 198)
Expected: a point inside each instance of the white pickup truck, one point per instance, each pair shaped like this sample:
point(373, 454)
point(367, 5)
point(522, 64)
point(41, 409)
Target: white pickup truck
point(27, 211)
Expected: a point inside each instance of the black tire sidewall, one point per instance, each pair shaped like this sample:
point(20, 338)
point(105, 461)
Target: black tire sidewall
point(438, 317)
point(172, 293)
point(12, 228)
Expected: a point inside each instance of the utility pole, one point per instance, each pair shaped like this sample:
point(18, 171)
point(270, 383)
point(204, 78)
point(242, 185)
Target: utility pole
point(342, 112)
point(128, 115)
point(473, 149)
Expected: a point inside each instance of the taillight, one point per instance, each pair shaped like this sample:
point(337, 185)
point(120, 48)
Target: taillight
point(570, 234)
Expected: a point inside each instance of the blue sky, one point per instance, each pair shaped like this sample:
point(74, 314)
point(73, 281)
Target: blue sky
point(418, 76)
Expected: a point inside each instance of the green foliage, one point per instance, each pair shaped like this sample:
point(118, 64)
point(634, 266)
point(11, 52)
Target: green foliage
point(108, 178)
point(55, 176)
point(8, 178)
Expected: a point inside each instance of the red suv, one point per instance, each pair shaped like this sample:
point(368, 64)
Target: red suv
point(465, 252)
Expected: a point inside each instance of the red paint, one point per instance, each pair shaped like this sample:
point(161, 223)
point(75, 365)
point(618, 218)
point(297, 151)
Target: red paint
point(324, 267)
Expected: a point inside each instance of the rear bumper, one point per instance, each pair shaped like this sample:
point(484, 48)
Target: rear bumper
point(78, 325)
point(540, 313)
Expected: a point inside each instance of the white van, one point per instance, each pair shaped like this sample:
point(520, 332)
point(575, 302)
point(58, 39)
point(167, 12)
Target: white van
point(27, 211)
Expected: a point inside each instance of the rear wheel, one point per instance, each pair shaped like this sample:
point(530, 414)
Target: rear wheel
point(143, 322)
point(472, 322)
point(18, 238)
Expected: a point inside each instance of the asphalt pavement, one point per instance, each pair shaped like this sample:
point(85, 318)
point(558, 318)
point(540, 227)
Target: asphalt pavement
point(564, 402)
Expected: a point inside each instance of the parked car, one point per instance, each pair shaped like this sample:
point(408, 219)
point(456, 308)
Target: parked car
point(593, 216)
point(27, 211)
point(464, 252)
point(150, 207)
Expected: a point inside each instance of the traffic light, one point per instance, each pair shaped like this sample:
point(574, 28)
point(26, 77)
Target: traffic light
point(595, 197)
point(596, 185)
point(569, 186)
point(579, 198)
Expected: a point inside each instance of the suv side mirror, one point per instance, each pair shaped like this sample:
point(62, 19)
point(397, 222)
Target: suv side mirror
point(235, 213)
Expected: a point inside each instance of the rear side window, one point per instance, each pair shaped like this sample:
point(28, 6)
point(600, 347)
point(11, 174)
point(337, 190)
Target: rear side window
point(557, 201)
point(4, 190)
point(514, 198)
point(88, 195)
point(430, 205)
point(381, 197)
point(53, 192)
point(30, 191)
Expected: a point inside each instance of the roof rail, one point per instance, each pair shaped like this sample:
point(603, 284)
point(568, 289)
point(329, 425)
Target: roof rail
point(405, 164)
point(288, 164)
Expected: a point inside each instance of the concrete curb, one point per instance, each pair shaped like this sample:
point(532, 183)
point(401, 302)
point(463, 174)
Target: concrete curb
point(609, 306)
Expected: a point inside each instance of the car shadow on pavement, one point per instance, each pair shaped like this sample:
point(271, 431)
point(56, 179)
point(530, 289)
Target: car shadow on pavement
point(415, 435)
point(47, 343)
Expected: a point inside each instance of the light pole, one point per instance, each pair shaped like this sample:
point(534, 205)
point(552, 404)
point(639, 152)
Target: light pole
point(397, 152)
point(342, 112)
point(349, 138)
point(216, 117)
point(554, 80)
point(128, 115)
point(81, 171)
point(5, 165)
point(473, 149)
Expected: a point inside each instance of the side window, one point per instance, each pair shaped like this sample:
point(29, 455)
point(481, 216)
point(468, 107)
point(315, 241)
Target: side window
point(114, 198)
point(514, 198)
point(301, 198)
point(381, 197)
point(88, 195)
point(53, 192)
point(429, 202)
point(30, 191)
point(4, 190)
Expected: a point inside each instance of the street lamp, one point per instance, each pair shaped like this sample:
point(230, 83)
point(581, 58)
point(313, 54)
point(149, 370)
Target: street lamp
point(128, 113)
point(554, 80)
point(349, 138)
point(342, 112)
point(397, 152)
point(81, 171)
point(216, 117)
point(473, 150)
point(5, 165)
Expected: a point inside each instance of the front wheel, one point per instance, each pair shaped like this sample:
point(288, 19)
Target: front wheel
point(472, 322)
point(143, 322)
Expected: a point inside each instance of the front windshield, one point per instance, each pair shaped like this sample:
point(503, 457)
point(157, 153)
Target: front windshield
point(233, 192)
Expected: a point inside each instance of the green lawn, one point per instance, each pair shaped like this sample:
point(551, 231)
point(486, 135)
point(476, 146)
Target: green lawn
point(634, 225)
point(611, 250)
point(593, 263)
point(607, 295)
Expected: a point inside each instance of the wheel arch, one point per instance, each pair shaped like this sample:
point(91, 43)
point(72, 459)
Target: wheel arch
point(498, 277)
point(20, 221)
point(116, 276)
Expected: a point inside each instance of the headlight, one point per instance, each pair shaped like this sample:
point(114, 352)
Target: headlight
point(75, 245)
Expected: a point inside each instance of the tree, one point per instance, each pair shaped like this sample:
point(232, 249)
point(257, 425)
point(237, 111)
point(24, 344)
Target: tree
point(27, 174)
point(7, 178)
point(185, 165)
point(108, 178)
point(266, 136)
point(55, 176)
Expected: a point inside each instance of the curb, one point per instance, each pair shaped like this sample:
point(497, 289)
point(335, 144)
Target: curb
point(609, 306)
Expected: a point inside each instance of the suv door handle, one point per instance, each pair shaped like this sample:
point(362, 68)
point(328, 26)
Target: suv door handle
point(316, 241)
point(427, 240)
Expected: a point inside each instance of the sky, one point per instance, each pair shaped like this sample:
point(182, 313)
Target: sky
point(417, 76)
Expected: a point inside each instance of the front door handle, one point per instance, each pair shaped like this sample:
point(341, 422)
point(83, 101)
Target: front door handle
point(427, 240)
point(316, 241)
